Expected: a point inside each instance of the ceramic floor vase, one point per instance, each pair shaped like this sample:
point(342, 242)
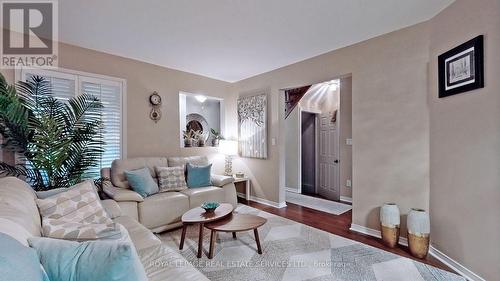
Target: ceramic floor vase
point(418, 224)
point(390, 224)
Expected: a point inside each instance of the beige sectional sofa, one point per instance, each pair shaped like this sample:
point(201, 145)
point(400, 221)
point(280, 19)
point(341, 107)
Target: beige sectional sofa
point(19, 218)
point(163, 211)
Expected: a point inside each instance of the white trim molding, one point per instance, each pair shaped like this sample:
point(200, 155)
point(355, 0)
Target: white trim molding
point(290, 189)
point(375, 233)
point(346, 199)
point(268, 202)
point(456, 266)
point(451, 263)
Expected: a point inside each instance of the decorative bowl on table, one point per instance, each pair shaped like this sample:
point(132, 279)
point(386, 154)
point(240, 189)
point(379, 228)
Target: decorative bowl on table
point(210, 206)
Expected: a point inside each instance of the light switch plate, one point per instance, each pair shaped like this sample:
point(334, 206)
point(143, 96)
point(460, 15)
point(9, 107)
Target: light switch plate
point(273, 141)
point(348, 141)
point(348, 183)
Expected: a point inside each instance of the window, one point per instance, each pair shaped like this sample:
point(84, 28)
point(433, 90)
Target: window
point(110, 91)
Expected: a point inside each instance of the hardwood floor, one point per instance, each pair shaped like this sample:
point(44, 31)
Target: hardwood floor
point(338, 225)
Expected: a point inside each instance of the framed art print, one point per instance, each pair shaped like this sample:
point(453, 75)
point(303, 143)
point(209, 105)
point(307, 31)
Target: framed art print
point(461, 69)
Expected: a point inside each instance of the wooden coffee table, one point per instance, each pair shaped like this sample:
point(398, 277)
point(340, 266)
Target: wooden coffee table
point(235, 223)
point(199, 216)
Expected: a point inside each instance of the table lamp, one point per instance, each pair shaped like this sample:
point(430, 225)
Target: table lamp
point(230, 149)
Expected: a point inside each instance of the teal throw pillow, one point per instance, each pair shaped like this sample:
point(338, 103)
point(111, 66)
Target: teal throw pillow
point(142, 182)
point(90, 260)
point(198, 176)
point(18, 262)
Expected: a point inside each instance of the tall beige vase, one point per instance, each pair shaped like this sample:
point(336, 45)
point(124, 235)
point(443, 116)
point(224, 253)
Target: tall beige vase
point(389, 224)
point(419, 229)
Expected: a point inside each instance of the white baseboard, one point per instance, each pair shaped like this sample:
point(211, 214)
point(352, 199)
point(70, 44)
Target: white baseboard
point(375, 233)
point(451, 263)
point(456, 266)
point(346, 199)
point(268, 203)
point(294, 190)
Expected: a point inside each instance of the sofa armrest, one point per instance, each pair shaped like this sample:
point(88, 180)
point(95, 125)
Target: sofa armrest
point(120, 194)
point(220, 181)
point(112, 208)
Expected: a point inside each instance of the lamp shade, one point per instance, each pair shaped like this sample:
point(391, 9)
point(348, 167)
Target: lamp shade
point(228, 147)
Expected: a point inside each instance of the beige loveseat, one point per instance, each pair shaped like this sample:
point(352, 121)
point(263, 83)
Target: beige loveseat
point(19, 218)
point(163, 211)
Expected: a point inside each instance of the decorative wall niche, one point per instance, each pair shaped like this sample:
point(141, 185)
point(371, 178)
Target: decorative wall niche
point(200, 116)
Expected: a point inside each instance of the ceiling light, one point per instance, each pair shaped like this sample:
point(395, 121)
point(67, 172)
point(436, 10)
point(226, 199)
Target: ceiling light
point(201, 98)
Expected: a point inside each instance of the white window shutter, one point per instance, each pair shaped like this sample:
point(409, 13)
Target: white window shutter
point(110, 96)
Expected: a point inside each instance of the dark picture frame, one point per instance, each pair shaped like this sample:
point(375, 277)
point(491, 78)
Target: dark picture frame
point(461, 69)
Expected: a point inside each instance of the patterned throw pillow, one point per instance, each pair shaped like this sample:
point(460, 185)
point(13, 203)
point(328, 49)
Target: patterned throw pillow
point(171, 178)
point(76, 214)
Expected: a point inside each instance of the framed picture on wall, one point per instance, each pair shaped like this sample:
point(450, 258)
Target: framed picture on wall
point(252, 126)
point(461, 69)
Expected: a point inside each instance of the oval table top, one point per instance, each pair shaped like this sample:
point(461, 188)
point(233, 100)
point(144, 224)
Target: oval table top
point(236, 223)
point(199, 215)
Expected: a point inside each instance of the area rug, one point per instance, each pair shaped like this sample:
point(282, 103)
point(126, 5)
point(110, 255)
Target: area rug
point(293, 251)
point(319, 204)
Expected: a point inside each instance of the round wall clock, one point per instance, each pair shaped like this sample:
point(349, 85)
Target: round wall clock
point(155, 99)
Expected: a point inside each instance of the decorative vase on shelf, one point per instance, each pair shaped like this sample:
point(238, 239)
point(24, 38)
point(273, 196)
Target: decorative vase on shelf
point(188, 142)
point(215, 142)
point(419, 228)
point(389, 224)
point(201, 142)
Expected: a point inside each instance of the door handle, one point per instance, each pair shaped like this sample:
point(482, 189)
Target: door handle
point(336, 161)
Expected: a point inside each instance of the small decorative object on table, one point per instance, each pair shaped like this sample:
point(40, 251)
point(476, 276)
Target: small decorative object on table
point(209, 207)
point(239, 175)
point(419, 229)
point(389, 224)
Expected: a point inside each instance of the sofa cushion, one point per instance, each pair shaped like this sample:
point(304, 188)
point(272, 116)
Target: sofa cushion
point(142, 182)
point(198, 176)
point(17, 204)
point(162, 208)
point(171, 178)
point(139, 235)
point(119, 166)
point(182, 161)
point(18, 262)
point(203, 194)
point(90, 260)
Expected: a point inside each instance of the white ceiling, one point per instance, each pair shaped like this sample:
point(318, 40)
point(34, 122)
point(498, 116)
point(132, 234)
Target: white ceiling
point(232, 40)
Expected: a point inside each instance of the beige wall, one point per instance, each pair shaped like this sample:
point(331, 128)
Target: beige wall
point(390, 120)
point(144, 137)
point(465, 144)
point(345, 133)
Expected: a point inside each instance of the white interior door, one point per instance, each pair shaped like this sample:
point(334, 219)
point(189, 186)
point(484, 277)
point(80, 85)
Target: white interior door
point(328, 186)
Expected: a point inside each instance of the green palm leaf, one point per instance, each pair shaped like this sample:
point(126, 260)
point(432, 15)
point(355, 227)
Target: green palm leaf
point(59, 141)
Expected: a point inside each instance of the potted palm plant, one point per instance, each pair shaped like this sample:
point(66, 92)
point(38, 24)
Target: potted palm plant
point(57, 142)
